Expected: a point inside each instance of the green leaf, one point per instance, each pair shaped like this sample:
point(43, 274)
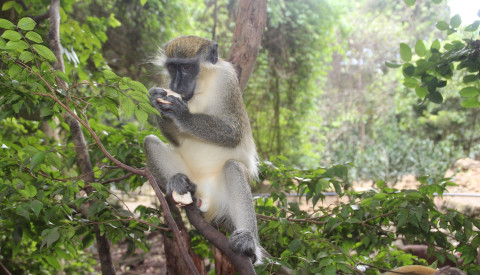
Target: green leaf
point(53, 261)
point(26, 24)
point(37, 159)
point(14, 70)
point(401, 218)
point(435, 44)
point(16, 45)
point(49, 236)
point(421, 91)
point(393, 64)
point(437, 1)
point(54, 159)
point(36, 206)
point(405, 52)
point(455, 21)
point(12, 35)
point(471, 102)
point(87, 241)
point(5, 24)
point(435, 97)
point(410, 83)
point(443, 26)
point(473, 27)
point(330, 270)
point(44, 52)
point(408, 69)
point(29, 191)
point(95, 208)
point(409, 2)
point(109, 75)
point(62, 76)
point(137, 86)
point(26, 56)
point(97, 186)
point(148, 108)
point(127, 106)
point(420, 48)
point(470, 78)
point(113, 22)
point(8, 5)
point(35, 37)
point(141, 116)
point(294, 245)
point(22, 210)
point(469, 91)
point(143, 2)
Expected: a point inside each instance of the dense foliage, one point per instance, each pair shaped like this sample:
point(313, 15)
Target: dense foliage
point(361, 117)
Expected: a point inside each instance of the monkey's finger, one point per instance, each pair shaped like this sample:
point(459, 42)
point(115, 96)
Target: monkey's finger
point(155, 92)
point(164, 101)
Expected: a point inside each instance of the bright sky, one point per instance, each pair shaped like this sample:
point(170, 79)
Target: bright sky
point(467, 9)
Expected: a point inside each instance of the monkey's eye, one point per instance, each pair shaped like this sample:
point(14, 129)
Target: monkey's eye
point(186, 67)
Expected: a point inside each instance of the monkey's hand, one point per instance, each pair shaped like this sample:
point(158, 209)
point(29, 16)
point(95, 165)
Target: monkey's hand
point(178, 186)
point(242, 241)
point(168, 105)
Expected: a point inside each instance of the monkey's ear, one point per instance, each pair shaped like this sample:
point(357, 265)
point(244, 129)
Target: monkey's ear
point(212, 55)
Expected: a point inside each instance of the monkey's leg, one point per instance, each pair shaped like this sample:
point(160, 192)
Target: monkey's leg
point(167, 166)
point(244, 238)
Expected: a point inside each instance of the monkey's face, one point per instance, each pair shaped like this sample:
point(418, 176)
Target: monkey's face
point(183, 73)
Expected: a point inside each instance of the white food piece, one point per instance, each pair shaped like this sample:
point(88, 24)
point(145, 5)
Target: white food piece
point(184, 199)
point(172, 93)
point(169, 93)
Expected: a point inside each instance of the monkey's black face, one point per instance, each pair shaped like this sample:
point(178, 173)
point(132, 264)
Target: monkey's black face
point(183, 73)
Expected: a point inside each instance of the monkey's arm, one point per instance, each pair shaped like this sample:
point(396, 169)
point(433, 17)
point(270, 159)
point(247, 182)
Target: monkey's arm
point(222, 131)
point(210, 129)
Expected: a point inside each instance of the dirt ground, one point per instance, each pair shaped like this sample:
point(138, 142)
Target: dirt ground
point(465, 173)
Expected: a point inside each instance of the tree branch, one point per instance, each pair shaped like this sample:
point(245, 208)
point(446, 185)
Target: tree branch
point(83, 157)
point(242, 263)
point(171, 222)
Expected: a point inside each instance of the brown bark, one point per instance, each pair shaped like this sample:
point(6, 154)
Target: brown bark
point(171, 223)
point(247, 37)
point(83, 157)
point(242, 264)
point(174, 261)
point(223, 265)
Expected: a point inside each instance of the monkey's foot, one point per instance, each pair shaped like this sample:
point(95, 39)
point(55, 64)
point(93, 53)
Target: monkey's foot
point(179, 185)
point(242, 241)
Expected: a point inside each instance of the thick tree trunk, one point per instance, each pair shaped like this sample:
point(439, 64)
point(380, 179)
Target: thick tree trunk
point(223, 266)
point(247, 37)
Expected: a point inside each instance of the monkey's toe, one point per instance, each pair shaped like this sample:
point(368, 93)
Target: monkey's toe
point(181, 184)
point(242, 241)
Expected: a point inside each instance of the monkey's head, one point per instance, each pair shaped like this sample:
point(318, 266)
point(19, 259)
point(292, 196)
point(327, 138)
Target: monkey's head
point(185, 55)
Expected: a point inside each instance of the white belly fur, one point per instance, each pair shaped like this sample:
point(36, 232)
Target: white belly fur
point(205, 163)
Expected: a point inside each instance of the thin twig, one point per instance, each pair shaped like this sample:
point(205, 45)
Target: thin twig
point(5, 269)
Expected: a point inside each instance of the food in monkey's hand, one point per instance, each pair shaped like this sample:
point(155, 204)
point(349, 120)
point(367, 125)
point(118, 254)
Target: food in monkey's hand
point(184, 199)
point(169, 93)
